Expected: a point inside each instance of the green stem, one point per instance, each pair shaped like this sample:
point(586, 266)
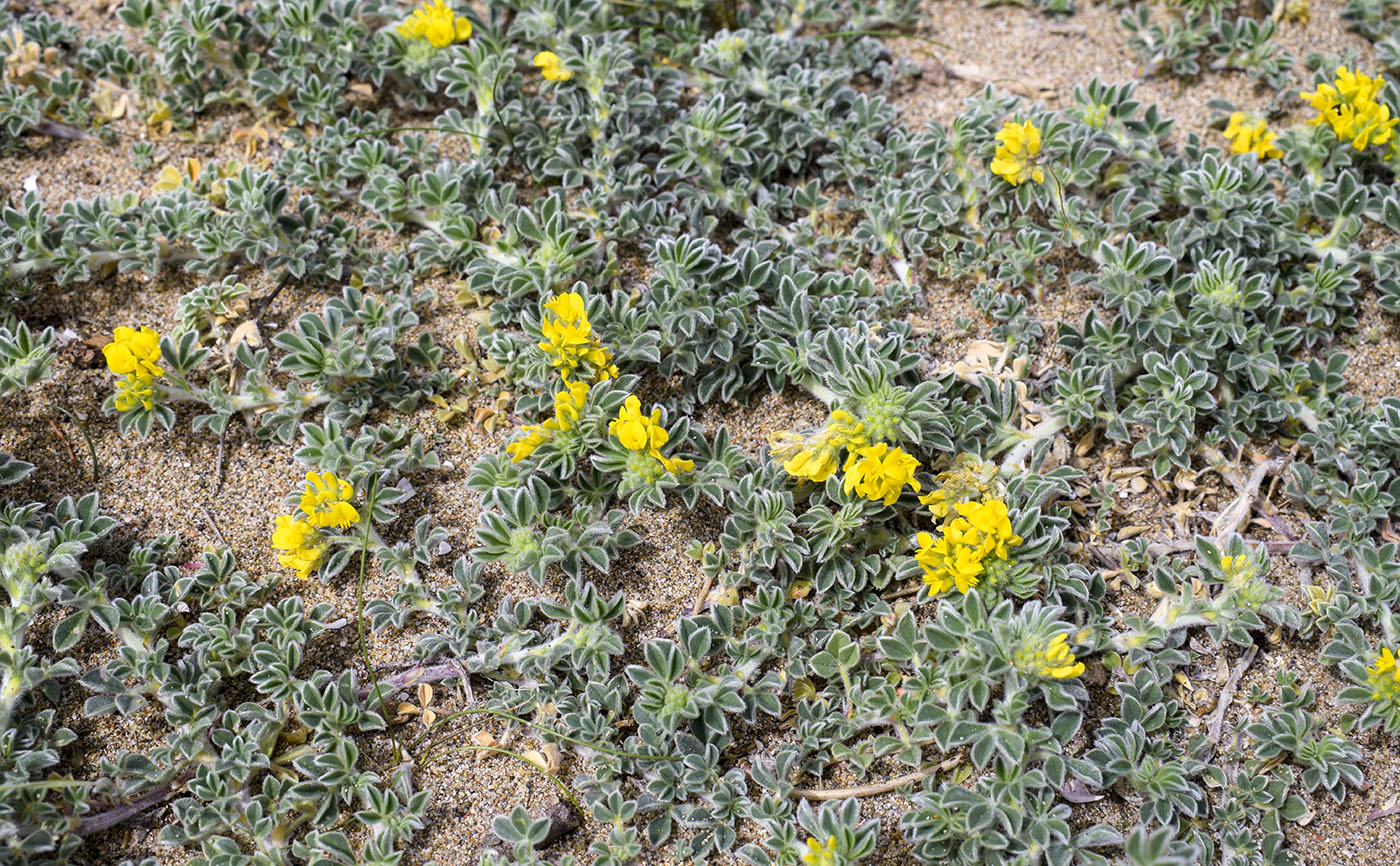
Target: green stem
point(92, 449)
point(818, 390)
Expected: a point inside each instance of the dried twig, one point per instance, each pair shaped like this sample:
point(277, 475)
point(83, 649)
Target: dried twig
point(702, 595)
point(1227, 694)
point(54, 129)
point(1233, 516)
point(219, 460)
point(209, 516)
point(1383, 813)
point(129, 811)
point(419, 674)
point(72, 458)
point(870, 790)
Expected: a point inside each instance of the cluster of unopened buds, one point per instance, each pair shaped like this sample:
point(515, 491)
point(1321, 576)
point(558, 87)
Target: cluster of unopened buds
point(132, 355)
point(875, 470)
point(325, 503)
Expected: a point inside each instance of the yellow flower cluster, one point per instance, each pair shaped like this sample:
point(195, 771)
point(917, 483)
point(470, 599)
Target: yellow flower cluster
point(1018, 151)
point(874, 470)
point(817, 459)
point(437, 24)
point(1349, 106)
point(644, 434)
point(551, 67)
point(303, 544)
point(1250, 134)
point(325, 502)
point(820, 854)
point(568, 405)
point(880, 472)
point(1384, 676)
point(1051, 658)
point(569, 339)
point(133, 354)
point(958, 557)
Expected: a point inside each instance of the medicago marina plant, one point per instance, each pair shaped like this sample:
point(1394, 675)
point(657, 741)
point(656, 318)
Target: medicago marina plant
point(503, 286)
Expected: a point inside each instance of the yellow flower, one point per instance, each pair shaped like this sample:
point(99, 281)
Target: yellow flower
point(991, 520)
point(326, 501)
point(675, 465)
point(880, 472)
point(436, 23)
point(638, 432)
point(1384, 676)
point(526, 445)
point(133, 355)
point(551, 67)
point(303, 543)
point(981, 531)
point(1016, 154)
point(1349, 106)
point(1048, 658)
point(947, 564)
point(645, 435)
point(1249, 134)
point(820, 854)
point(568, 407)
point(818, 459)
point(937, 502)
point(569, 340)
point(133, 352)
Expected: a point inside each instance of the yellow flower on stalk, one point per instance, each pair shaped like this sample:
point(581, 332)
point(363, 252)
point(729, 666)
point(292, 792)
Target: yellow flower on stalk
point(638, 432)
point(133, 352)
point(819, 853)
point(436, 23)
point(1349, 106)
point(1250, 134)
point(958, 558)
point(1052, 658)
point(1017, 154)
point(303, 544)
point(1384, 676)
point(817, 459)
point(551, 67)
point(132, 355)
point(568, 408)
point(569, 340)
point(326, 501)
point(645, 435)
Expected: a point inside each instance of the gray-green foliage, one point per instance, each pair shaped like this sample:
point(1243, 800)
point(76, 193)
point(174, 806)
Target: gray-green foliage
point(741, 212)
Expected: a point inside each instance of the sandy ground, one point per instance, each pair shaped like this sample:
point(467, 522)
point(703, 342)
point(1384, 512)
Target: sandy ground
point(165, 484)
